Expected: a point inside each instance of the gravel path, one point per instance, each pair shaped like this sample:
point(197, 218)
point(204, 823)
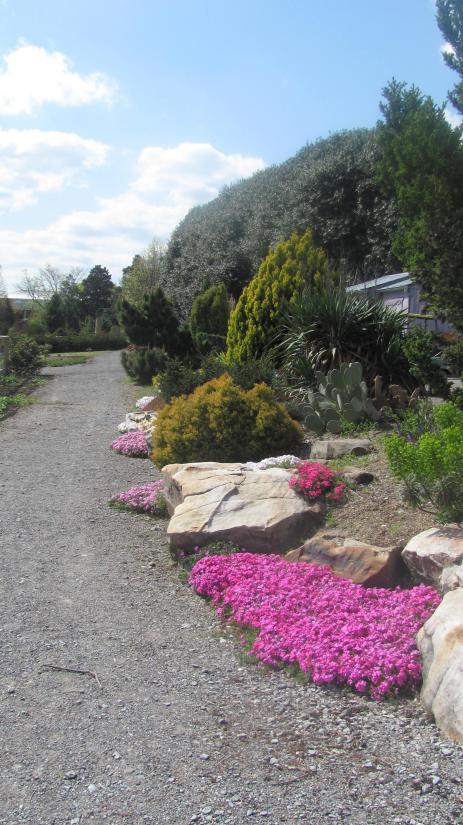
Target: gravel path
point(181, 729)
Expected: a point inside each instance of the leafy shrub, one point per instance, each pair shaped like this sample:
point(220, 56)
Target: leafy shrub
point(209, 319)
point(428, 458)
point(142, 364)
point(25, 356)
point(9, 383)
point(336, 631)
point(315, 480)
point(453, 353)
point(328, 327)
point(456, 397)
point(221, 422)
point(179, 378)
point(288, 268)
point(419, 347)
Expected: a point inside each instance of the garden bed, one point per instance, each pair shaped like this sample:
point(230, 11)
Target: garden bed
point(376, 513)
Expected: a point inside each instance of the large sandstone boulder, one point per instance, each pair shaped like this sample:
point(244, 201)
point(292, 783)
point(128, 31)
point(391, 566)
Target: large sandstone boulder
point(451, 578)
point(337, 447)
point(255, 509)
point(440, 642)
point(429, 553)
point(351, 559)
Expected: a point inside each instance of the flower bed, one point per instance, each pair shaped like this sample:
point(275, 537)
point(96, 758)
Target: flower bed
point(143, 498)
point(131, 444)
point(315, 480)
point(334, 630)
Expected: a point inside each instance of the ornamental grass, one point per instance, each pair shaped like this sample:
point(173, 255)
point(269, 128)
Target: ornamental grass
point(132, 444)
point(335, 631)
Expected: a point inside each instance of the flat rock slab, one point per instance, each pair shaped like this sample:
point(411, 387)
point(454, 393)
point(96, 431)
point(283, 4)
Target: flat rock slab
point(440, 642)
point(351, 559)
point(430, 552)
point(255, 509)
point(337, 447)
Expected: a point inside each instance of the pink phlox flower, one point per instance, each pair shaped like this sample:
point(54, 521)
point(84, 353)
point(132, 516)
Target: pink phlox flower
point(131, 444)
point(143, 498)
point(334, 630)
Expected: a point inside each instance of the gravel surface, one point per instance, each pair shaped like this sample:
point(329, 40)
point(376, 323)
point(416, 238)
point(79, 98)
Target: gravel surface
point(178, 728)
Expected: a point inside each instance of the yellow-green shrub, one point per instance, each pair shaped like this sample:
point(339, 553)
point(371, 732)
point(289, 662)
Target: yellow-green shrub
point(288, 268)
point(221, 422)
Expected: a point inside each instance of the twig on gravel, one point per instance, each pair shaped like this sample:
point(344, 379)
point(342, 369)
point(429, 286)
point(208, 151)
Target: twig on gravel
point(91, 673)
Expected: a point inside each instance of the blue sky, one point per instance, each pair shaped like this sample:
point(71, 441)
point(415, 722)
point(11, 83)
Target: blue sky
point(117, 117)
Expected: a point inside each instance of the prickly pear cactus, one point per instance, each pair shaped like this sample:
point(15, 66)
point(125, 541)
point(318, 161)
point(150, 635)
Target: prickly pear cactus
point(341, 394)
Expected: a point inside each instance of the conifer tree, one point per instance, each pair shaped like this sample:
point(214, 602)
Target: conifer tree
point(289, 267)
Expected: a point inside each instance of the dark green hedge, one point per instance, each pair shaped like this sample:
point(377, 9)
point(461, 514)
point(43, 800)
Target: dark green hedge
point(81, 343)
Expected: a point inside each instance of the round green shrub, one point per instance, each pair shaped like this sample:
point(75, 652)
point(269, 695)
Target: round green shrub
point(221, 422)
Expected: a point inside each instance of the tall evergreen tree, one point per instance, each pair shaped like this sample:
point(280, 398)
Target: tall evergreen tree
point(97, 290)
point(450, 21)
point(55, 316)
point(421, 167)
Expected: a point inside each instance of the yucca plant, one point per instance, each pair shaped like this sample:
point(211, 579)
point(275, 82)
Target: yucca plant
point(329, 327)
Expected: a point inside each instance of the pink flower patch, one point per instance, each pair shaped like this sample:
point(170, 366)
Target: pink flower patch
point(143, 498)
point(132, 444)
point(334, 630)
point(315, 480)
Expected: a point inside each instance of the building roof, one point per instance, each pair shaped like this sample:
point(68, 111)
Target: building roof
point(384, 283)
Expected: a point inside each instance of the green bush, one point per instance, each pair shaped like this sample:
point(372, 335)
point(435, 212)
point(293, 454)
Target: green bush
point(222, 422)
point(142, 364)
point(178, 378)
point(329, 327)
point(456, 397)
point(25, 356)
point(283, 274)
point(453, 354)
point(429, 461)
point(209, 319)
point(419, 347)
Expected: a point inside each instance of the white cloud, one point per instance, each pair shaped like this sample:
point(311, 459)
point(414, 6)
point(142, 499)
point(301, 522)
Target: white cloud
point(34, 161)
point(34, 76)
point(167, 183)
point(452, 117)
point(190, 171)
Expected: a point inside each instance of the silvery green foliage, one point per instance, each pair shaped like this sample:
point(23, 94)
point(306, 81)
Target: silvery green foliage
point(341, 394)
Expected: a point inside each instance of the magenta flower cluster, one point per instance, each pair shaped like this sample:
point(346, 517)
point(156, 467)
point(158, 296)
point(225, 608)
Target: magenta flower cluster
point(143, 498)
point(314, 480)
point(334, 630)
point(132, 444)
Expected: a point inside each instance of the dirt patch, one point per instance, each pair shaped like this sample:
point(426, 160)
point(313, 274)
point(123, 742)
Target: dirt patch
point(376, 513)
